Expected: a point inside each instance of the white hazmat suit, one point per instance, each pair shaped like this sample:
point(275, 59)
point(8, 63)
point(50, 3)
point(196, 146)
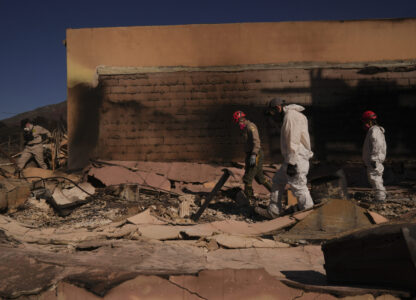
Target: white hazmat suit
point(374, 154)
point(296, 150)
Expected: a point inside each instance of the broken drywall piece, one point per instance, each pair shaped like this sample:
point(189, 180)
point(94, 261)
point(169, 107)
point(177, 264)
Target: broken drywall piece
point(80, 192)
point(376, 218)
point(62, 201)
point(161, 232)
point(145, 218)
point(238, 242)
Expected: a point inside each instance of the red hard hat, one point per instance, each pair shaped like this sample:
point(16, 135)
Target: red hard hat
point(237, 115)
point(368, 115)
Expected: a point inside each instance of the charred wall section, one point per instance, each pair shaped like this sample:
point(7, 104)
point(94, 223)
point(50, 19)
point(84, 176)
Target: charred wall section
point(186, 115)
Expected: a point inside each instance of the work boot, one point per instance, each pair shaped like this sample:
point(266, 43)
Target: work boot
point(266, 213)
point(380, 197)
point(268, 185)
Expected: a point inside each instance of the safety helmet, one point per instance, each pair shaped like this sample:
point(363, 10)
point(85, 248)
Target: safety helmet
point(237, 115)
point(368, 115)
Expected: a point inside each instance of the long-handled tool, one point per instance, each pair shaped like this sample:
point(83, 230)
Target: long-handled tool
point(211, 195)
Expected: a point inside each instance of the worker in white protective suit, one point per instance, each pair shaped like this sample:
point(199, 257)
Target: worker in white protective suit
point(374, 154)
point(296, 151)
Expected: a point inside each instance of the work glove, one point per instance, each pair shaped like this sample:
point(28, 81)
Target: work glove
point(253, 160)
point(373, 164)
point(291, 170)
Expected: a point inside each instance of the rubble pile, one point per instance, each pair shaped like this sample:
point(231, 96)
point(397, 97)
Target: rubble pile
point(139, 217)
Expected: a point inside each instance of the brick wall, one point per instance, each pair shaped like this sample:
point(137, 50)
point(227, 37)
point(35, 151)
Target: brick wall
point(187, 115)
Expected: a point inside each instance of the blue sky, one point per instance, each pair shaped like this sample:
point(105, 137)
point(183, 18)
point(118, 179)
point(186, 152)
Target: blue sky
point(33, 58)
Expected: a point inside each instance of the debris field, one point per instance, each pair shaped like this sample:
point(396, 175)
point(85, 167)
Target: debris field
point(123, 228)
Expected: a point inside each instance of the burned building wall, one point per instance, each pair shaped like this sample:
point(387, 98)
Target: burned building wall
point(176, 86)
point(186, 115)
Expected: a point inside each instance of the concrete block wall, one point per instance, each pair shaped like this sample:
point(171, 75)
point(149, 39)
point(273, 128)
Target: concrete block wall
point(187, 115)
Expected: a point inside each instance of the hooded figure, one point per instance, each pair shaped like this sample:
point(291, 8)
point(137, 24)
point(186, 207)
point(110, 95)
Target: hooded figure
point(296, 151)
point(374, 154)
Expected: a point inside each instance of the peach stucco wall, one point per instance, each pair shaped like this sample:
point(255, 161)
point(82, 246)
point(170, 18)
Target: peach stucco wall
point(236, 44)
point(319, 42)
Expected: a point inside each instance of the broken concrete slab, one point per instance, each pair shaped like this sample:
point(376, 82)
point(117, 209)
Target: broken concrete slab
point(377, 218)
point(145, 218)
point(234, 242)
point(335, 217)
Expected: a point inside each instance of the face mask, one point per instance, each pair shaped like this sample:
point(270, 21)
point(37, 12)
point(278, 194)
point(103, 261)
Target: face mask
point(366, 126)
point(242, 126)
